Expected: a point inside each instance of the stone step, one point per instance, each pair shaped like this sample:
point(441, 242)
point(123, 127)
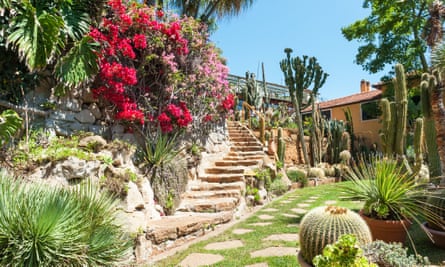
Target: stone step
point(183, 224)
point(246, 143)
point(243, 139)
point(212, 194)
point(236, 158)
point(241, 162)
point(223, 178)
point(209, 205)
point(224, 170)
point(204, 186)
point(246, 148)
point(245, 153)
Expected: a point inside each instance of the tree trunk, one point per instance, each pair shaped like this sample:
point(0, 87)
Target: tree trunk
point(438, 110)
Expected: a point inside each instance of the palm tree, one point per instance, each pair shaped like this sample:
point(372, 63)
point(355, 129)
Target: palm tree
point(206, 10)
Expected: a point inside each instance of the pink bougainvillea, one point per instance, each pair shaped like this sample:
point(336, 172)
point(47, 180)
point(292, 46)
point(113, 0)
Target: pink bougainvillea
point(159, 70)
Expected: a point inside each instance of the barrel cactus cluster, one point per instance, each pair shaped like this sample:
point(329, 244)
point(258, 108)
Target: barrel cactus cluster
point(322, 226)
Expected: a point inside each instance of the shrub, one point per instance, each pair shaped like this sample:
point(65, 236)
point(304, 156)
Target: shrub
point(49, 226)
point(344, 252)
point(297, 176)
point(278, 187)
point(393, 255)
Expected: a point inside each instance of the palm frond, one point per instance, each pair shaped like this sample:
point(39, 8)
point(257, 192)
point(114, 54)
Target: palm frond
point(79, 64)
point(5, 4)
point(10, 122)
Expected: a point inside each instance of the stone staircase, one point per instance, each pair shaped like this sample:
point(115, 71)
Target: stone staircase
point(222, 185)
point(211, 199)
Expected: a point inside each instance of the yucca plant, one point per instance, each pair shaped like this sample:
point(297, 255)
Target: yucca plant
point(49, 226)
point(388, 191)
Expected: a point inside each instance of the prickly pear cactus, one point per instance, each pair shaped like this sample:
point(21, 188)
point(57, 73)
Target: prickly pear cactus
point(324, 225)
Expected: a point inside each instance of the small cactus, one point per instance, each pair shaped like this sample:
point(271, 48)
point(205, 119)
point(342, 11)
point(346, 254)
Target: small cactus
point(324, 225)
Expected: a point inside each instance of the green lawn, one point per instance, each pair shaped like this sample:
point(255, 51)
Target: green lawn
point(282, 223)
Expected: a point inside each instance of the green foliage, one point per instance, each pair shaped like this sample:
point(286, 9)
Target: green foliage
point(391, 33)
point(436, 203)
point(278, 187)
point(50, 226)
point(160, 150)
point(10, 123)
point(388, 191)
point(41, 149)
point(298, 176)
point(337, 140)
point(394, 255)
point(322, 226)
point(344, 252)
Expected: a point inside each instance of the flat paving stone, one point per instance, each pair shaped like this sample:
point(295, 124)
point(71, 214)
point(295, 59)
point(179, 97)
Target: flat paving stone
point(270, 210)
point(293, 225)
point(286, 201)
point(274, 252)
point(299, 210)
point(283, 237)
point(330, 202)
point(241, 231)
point(200, 259)
point(290, 215)
point(224, 245)
point(265, 217)
point(261, 264)
point(314, 197)
point(261, 224)
point(303, 205)
point(310, 200)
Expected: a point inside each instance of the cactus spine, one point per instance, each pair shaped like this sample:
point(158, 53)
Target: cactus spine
point(324, 225)
point(395, 116)
point(281, 146)
point(427, 85)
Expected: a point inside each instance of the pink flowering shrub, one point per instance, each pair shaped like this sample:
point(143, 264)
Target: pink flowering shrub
point(158, 70)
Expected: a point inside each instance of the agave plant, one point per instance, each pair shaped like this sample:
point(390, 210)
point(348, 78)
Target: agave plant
point(49, 226)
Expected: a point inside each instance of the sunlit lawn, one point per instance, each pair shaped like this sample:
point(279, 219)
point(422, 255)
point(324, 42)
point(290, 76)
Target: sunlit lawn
point(281, 223)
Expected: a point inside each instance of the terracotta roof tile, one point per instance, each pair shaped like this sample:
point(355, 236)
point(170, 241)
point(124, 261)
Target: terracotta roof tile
point(347, 100)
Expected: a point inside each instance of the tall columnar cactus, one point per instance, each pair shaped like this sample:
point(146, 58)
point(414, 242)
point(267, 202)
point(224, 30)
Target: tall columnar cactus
point(300, 74)
point(337, 140)
point(324, 225)
point(316, 135)
point(427, 85)
point(281, 146)
point(418, 144)
point(395, 116)
point(262, 129)
point(252, 94)
point(266, 92)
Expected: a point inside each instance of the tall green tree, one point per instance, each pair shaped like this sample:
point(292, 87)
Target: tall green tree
point(205, 10)
point(302, 74)
point(392, 33)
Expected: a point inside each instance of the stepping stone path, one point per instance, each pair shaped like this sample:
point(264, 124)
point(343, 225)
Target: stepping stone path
point(299, 210)
point(261, 224)
point(241, 231)
point(286, 201)
point(330, 202)
point(303, 205)
point(200, 259)
point(269, 210)
point(224, 245)
point(293, 225)
point(262, 264)
point(290, 215)
point(265, 217)
point(284, 237)
point(274, 252)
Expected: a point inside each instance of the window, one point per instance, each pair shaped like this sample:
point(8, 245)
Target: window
point(370, 110)
point(326, 114)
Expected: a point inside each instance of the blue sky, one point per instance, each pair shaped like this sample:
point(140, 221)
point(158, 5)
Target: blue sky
point(313, 28)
